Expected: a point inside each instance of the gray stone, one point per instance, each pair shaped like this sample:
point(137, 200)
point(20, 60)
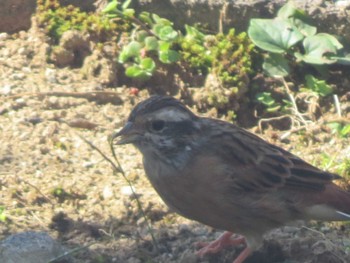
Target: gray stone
point(29, 247)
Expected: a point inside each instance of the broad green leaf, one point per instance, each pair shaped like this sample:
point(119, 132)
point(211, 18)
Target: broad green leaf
point(161, 21)
point(151, 43)
point(304, 28)
point(129, 51)
point(318, 86)
point(141, 36)
point(137, 72)
point(319, 48)
point(169, 56)
point(148, 64)
point(166, 33)
point(129, 12)
point(146, 18)
point(287, 11)
point(274, 35)
point(164, 46)
point(276, 65)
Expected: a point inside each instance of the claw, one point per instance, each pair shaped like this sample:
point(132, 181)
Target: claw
point(222, 242)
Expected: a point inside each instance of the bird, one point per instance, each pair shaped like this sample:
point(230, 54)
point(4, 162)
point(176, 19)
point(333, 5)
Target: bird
point(214, 172)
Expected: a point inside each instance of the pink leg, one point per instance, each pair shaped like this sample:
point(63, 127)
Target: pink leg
point(220, 243)
point(244, 254)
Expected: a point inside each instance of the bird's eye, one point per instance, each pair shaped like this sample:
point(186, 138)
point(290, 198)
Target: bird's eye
point(157, 125)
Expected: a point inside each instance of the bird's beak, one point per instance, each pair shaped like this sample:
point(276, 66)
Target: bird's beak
point(128, 134)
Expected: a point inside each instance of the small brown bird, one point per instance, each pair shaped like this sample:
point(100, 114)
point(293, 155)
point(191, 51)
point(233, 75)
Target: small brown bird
point(223, 176)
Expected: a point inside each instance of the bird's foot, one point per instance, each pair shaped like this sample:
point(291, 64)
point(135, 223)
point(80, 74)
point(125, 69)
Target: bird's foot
point(222, 242)
point(219, 244)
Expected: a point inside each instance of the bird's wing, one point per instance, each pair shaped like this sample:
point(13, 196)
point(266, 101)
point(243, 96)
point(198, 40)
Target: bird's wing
point(257, 165)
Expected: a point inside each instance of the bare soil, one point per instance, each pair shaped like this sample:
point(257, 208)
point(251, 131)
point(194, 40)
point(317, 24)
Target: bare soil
point(51, 180)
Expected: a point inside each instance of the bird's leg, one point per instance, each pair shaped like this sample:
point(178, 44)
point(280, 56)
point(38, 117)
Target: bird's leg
point(220, 243)
point(243, 255)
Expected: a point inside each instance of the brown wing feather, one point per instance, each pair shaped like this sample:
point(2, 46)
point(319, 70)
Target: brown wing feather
point(258, 165)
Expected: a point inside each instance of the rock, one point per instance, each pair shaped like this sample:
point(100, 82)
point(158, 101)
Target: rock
point(29, 247)
point(50, 75)
point(98, 67)
point(15, 15)
point(3, 36)
point(74, 47)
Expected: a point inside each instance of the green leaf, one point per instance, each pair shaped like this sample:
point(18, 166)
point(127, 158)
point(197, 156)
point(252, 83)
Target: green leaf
point(151, 43)
point(345, 131)
point(141, 36)
point(304, 28)
point(318, 86)
point(136, 72)
point(126, 4)
point(166, 33)
point(131, 50)
point(129, 13)
point(111, 7)
point(3, 217)
point(319, 48)
point(141, 71)
point(161, 21)
point(194, 34)
point(164, 46)
point(148, 64)
point(265, 98)
point(287, 11)
point(276, 65)
point(336, 127)
point(169, 56)
point(146, 18)
point(274, 35)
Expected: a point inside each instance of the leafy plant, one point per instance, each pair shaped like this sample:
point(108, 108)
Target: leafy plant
point(266, 99)
point(152, 38)
point(341, 129)
point(154, 41)
point(57, 19)
point(320, 87)
point(290, 38)
point(3, 217)
point(194, 49)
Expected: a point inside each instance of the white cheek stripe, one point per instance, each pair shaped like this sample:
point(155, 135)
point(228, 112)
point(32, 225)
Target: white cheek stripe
point(171, 115)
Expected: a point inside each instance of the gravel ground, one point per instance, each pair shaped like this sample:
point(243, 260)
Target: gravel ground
point(52, 181)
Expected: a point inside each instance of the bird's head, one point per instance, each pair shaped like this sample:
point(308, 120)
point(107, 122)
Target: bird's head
point(160, 126)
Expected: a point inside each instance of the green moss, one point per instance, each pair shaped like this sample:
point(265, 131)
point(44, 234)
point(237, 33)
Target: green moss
point(232, 63)
point(229, 56)
point(57, 19)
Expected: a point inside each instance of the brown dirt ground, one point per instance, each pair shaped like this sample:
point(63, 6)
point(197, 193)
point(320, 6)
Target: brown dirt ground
point(51, 180)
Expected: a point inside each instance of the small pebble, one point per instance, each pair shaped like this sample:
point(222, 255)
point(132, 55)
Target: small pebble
point(107, 193)
point(3, 36)
point(18, 76)
point(50, 75)
point(126, 190)
point(6, 89)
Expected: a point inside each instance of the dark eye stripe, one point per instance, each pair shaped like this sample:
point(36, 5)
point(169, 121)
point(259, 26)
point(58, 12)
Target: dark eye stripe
point(178, 127)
